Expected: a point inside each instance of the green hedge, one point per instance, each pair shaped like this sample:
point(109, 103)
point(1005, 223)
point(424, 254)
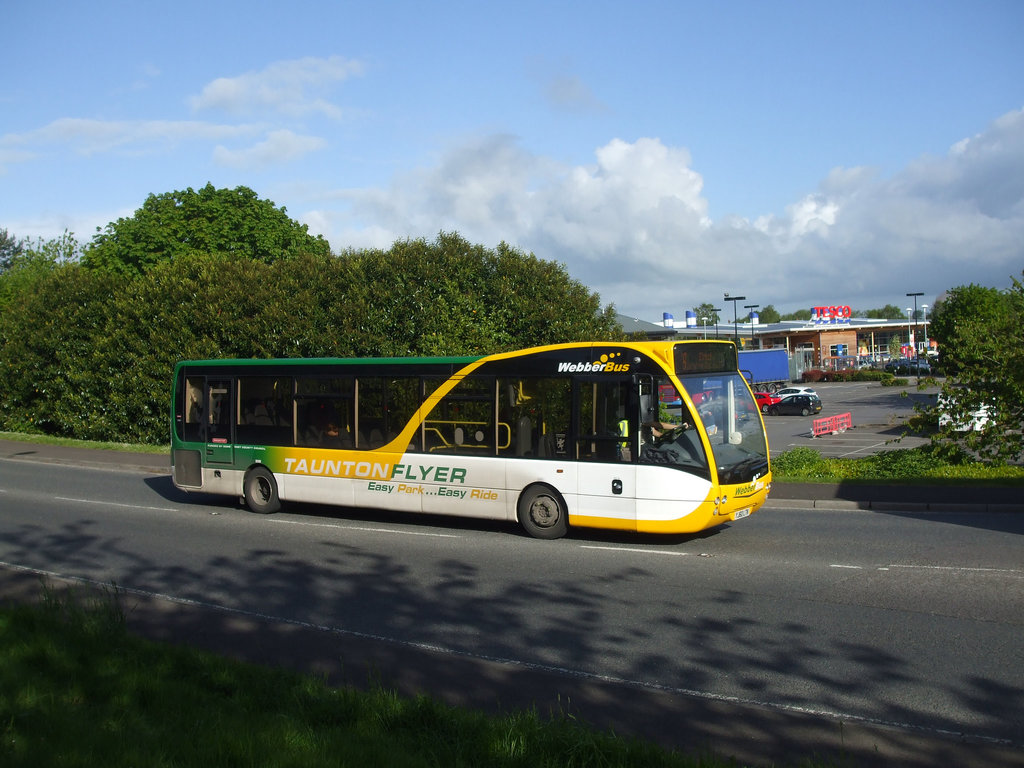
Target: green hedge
point(88, 353)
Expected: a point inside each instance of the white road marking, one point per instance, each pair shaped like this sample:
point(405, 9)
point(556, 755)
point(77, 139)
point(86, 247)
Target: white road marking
point(641, 551)
point(948, 568)
point(114, 504)
point(366, 529)
point(960, 568)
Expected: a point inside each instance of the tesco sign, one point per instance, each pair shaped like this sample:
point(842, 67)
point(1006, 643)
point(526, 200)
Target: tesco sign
point(831, 314)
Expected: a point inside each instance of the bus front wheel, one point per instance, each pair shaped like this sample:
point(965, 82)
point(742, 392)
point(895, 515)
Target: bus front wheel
point(542, 513)
point(261, 491)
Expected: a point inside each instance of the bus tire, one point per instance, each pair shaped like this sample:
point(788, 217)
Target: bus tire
point(261, 491)
point(542, 513)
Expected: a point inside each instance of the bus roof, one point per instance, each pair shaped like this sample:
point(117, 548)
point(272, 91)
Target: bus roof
point(314, 361)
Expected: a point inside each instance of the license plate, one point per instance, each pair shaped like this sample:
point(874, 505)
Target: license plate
point(741, 513)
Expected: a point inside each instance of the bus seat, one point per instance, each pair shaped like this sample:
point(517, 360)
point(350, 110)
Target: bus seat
point(524, 436)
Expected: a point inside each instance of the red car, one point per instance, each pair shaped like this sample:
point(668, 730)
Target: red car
point(766, 400)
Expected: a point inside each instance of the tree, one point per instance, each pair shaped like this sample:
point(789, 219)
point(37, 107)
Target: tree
point(888, 312)
point(449, 297)
point(706, 315)
point(769, 314)
point(168, 226)
point(50, 379)
point(895, 346)
point(10, 248)
point(800, 314)
point(29, 262)
point(89, 351)
point(979, 330)
point(957, 313)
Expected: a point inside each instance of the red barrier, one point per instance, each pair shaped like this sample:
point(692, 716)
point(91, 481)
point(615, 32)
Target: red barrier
point(829, 425)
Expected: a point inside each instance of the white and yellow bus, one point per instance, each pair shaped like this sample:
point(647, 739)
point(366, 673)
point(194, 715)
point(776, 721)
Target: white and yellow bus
point(654, 437)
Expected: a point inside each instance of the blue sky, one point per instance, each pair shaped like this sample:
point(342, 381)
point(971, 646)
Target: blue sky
point(796, 153)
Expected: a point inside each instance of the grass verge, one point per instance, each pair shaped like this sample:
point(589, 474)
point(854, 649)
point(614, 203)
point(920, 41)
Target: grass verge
point(78, 689)
point(901, 465)
point(23, 437)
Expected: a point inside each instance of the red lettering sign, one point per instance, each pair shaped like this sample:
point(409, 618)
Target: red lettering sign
point(831, 313)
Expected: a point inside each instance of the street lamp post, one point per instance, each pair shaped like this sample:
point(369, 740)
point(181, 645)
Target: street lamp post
point(716, 310)
point(914, 340)
point(704, 322)
point(735, 317)
point(917, 359)
point(750, 316)
point(924, 309)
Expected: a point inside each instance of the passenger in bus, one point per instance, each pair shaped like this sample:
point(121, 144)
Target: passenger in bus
point(261, 413)
point(331, 437)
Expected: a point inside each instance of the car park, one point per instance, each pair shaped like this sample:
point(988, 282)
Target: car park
point(801, 405)
point(766, 400)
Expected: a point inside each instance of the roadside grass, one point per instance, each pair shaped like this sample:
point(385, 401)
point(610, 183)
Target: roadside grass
point(25, 437)
point(78, 689)
point(906, 466)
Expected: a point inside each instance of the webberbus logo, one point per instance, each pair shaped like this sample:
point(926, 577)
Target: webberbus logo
point(605, 364)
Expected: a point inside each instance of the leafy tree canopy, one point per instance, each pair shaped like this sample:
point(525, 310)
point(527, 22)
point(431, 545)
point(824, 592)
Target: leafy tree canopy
point(10, 248)
point(706, 314)
point(89, 351)
point(229, 221)
point(888, 312)
point(800, 314)
point(979, 333)
point(27, 262)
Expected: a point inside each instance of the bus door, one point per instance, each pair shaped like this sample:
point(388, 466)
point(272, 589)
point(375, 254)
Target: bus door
point(605, 422)
point(219, 418)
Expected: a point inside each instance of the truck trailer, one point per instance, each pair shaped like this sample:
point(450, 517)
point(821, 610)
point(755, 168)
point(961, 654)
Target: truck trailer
point(766, 370)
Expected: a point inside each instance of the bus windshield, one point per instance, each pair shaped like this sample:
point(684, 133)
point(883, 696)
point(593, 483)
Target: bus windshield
point(730, 416)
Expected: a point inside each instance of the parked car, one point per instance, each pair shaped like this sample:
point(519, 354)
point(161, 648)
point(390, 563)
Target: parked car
point(785, 392)
point(909, 367)
point(766, 400)
point(802, 405)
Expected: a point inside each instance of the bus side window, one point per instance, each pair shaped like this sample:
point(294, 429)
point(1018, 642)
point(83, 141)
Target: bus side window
point(534, 416)
point(517, 416)
point(607, 426)
point(193, 406)
point(463, 422)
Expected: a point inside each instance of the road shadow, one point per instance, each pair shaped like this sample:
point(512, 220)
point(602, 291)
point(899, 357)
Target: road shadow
point(359, 617)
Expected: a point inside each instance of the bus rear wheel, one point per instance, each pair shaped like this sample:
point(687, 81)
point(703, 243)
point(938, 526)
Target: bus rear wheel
point(261, 491)
point(542, 513)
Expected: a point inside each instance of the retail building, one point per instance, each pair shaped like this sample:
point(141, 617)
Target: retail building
point(831, 339)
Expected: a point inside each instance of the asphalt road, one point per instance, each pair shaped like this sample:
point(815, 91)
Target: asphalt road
point(889, 638)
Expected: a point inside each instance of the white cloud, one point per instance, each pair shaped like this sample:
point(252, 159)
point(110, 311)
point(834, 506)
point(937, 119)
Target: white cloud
point(294, 88)
point(634, 224)
point(88, 136)
point(279, 147)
